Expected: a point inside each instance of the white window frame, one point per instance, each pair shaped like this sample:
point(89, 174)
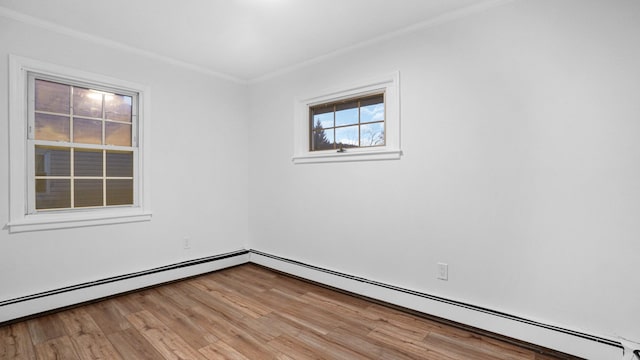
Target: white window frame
point(389, 84)
point(21, 219)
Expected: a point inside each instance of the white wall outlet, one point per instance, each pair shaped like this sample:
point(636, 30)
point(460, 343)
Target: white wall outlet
point(443, 271)
point(186, 243)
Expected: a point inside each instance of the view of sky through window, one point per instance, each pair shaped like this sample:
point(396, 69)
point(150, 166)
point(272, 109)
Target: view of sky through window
point(358, 122)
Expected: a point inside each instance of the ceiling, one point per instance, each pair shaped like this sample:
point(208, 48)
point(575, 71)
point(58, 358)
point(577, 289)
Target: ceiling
point(240, 39)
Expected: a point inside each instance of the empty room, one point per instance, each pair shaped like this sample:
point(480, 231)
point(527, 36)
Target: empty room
point(305, 179)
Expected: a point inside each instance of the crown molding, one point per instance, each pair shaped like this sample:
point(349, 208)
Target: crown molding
point(432, 22)
point(63, 30)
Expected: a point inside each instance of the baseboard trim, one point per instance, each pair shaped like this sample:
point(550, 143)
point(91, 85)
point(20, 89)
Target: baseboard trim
point(549, 336)
point(20, 307)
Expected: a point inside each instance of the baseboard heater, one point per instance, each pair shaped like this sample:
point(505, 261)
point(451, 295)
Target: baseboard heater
point(208, 264)
point(177, 271)
point(618, 346)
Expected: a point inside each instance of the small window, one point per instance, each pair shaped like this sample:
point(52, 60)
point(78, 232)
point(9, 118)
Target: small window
point(83, 143)
point(352, 123)
point(79, 150)
point(358, 122)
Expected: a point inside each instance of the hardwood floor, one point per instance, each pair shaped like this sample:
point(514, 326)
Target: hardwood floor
point(246, 312)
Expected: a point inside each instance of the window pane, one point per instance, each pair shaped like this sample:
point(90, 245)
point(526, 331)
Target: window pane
point(347, 136)
point(117, 134)
point(51, 161)
point(372, 110)
point(119, 192)
point(118, 107)
point(119, 164)
point(87, 131)
point(324, 120)
point(51, 127)
point(322, 140)
point(53, 194)
point(87, 162)
point(372, 134)
point(87, 193)
point(347, 114)
point(52, 97)
point(87, 102)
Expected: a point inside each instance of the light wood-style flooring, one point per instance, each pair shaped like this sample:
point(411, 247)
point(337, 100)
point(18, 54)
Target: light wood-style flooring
point(245, 312)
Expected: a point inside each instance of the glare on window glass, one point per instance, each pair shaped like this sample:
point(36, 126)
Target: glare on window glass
point(87, 102)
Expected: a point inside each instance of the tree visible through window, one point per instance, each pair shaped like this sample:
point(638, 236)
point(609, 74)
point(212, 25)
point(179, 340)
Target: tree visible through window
point(355, 122)
point(83, 145)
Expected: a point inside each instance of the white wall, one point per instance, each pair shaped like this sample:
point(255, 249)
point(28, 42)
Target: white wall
point(521, 169)
point(519, 127)
point(198, 170)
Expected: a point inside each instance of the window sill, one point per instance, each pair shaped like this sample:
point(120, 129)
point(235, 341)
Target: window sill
point(65, 220)
point(349, 155)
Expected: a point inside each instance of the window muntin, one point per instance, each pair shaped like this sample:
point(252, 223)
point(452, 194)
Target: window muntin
point(82, 138)
point(351, 123)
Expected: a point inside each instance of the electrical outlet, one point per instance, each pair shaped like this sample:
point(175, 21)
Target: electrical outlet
point(186, 244)
point(443, 271)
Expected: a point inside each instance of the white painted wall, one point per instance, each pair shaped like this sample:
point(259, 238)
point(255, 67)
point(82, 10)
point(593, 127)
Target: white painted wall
point(521, 169)
point(521, 165)
point(198, 171)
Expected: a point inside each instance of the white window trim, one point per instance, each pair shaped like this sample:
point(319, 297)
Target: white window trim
point(19, 218)
point(389, 84)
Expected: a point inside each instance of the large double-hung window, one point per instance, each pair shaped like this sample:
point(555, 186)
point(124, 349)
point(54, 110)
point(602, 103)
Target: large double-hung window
point(77, 148)
point(83, 143)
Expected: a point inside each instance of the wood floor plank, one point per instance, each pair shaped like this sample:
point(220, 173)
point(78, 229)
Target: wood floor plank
point(411, 346)
point(45, 328)
point(177, 297)
point(221, 351)
point(129, 304)
point(108, 316)
point(130, 344)
point(177, 320)
point(458, 343)
point(294, 348)
point(243, 303)
point(325, 348)
point(86, 336)
point(400, 319)
point(252, 347)
point(56, 349)
point(243, 282)
point(364, 345)
point(206, 298)
point(279, 325)
point(349, 314)
point(165, 341)
point(15, 342)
